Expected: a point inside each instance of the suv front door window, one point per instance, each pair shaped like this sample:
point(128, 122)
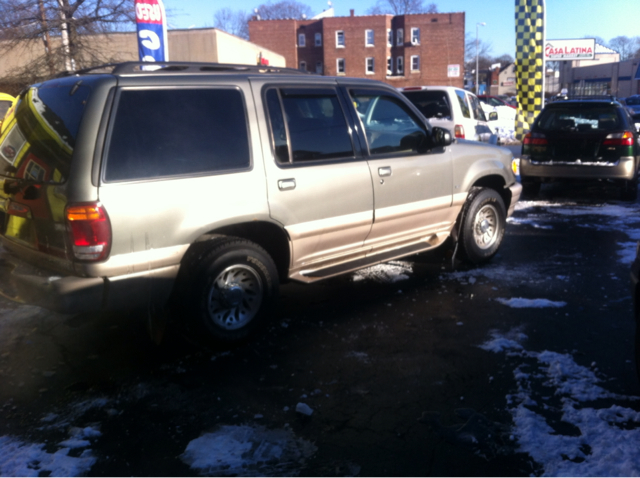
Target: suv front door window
point(412, 190)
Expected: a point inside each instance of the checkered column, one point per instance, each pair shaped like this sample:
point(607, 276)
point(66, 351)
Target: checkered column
point(529, 62)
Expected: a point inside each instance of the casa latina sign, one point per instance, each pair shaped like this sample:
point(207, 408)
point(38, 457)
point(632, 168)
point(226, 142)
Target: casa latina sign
point(559, 50)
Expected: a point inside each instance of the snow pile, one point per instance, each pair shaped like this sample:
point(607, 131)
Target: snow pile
point(389, 272)
point(520, 303)
point(554, 422)
point(247, 451)
point(29, 459)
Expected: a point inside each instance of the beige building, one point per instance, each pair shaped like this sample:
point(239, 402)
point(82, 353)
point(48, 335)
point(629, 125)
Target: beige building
point(201, 45)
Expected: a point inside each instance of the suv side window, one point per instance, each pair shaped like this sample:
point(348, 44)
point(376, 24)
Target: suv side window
point(464, 104)
point(478, 112)
point(315, 126)
point(171, 132)
point(389, 125)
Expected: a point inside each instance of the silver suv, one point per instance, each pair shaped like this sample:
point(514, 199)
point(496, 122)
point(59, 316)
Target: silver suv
point(208, 185)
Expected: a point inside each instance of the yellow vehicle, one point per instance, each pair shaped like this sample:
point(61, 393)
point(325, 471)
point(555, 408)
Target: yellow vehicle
point(6, 103)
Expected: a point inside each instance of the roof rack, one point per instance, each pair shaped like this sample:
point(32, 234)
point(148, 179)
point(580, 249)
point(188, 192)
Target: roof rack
point(138, 67)
point(587, 97)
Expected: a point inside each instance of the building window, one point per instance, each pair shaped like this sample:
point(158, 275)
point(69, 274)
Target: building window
point(340, 66)
point(415, 36)
point(318, 39)
point(415, 63)
point(400, 37)
point(340, 39)
point(368, 37)
point(370, 66)
point(389, 37)
point(319, 67)
point(389, 66)
point(400, 65)
point(302, 40)
point(303, 66)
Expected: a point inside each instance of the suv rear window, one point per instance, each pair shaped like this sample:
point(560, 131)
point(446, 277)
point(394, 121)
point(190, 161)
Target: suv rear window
point(580, 117)
point(172, 132)
point(38, 145)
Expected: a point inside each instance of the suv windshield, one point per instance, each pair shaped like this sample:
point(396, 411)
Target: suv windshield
point(580, 117)
point(39, 141)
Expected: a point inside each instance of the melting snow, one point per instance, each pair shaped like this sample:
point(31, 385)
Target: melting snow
point(393, 271)
point(248, 451)
point(520, 303)
point(605, 441)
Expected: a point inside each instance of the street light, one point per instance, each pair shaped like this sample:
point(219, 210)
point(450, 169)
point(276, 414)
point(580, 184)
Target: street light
point(477, 85)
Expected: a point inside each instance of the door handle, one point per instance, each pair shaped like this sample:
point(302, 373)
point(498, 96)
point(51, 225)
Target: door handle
point(384, 171)
point(286, 184)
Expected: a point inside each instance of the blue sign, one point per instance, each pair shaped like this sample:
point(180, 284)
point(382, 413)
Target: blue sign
point(151, 24)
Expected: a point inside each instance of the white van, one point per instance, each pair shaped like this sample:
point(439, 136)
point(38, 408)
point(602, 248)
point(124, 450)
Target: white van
point(455, 109)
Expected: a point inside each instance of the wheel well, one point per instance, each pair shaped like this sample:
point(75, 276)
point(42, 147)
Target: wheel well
point(496, 183)
point(270, 237)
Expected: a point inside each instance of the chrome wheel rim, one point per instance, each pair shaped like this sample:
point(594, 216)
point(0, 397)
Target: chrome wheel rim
point(235, 297)
point(486, 227)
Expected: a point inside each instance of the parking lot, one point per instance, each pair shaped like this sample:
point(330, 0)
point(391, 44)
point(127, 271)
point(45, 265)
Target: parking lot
point(416, 367)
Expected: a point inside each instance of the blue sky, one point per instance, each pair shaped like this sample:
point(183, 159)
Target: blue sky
point(565, 18)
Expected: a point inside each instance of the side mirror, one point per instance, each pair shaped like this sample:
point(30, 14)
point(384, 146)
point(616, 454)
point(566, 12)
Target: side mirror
point(493, 116)
point(440, 137)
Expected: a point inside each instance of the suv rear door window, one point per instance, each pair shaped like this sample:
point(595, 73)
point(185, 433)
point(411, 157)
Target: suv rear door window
point(172, 132)
point(432, 104)
point(477, 109)
point(315, 122)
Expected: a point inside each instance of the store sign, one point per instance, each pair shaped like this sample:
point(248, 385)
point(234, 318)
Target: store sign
point(567, 50)
point(453, 71)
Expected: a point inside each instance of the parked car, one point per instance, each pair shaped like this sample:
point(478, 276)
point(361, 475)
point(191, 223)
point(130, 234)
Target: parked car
point(633, 104)
point(635, 294)
point(582, 139)
point(495, 101)
point(263, 175)
point(453, 108)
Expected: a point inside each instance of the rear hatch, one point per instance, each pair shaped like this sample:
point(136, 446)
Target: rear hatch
point(36, 149)
point(580, 133)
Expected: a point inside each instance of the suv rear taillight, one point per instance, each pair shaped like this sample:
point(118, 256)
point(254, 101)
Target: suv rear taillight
point(619, 139)
point(90, 231)
point(535, 139)
point(458, 131)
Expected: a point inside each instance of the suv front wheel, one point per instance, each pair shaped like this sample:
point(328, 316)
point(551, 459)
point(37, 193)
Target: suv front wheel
point(483, 225)
point(234, 288)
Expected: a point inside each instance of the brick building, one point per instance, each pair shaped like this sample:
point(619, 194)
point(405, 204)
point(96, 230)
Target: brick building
point(402, 50)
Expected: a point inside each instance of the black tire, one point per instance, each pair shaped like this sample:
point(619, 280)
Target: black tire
point(629, 189)
point(233, 290)
point(483, 224)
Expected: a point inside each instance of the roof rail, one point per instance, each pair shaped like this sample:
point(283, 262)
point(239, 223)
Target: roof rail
point(588, 97)
point(138, 67)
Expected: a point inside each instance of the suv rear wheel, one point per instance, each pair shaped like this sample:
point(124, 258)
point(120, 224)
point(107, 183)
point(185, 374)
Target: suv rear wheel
point(234, 289)
point(483, 225)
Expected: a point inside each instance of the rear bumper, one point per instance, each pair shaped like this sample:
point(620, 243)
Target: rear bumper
point(28, 284)
point(624, 168)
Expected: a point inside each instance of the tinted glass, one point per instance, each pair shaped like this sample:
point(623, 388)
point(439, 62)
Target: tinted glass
point(4, 107)
point(584, 118)
point(464, 104)
point(173, 132)
point(478, 113)
point(278, 131)
point(389, 125)
point(40, 143)
point(316, 123)
point(432, 104)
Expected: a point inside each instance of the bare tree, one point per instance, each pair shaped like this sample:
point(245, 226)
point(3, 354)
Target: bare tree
point(63, 27)
point(625, 46)
point(402, 7)
point(232, 21)
point(485, 60)
point(282, 10)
